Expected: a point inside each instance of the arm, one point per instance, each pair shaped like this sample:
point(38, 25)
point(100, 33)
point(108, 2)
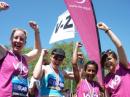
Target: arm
point(74, 63)
point(3, 51)
point(122, 56)
point(106, 93)
point(38, 70)
point(32, 86)
point(68, 75)
point(37, 45)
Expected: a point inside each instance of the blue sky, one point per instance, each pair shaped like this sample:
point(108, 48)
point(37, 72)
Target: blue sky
point(115, 13)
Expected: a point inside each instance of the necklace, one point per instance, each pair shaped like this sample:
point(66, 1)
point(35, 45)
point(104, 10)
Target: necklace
point(91, 91)
point(57, 77)
point(19, 64)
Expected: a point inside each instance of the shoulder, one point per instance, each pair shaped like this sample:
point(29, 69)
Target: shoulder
point(82, 81)
point(97, 84)
point(121, 67)
point(46, 68)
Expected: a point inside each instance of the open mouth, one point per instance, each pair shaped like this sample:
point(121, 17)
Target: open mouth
point(108, 64)
point(17, 46)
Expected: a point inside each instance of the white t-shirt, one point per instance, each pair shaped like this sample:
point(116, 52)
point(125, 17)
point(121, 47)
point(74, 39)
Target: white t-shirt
point(32, 81)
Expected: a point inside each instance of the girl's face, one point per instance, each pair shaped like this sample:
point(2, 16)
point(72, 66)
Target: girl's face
point(90, 72)
point(18, 41)
point(110, 63)
point(57, 59)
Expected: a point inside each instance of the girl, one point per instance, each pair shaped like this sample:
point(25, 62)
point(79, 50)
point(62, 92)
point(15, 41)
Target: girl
point(51, 76)
point(14, 64)
point(86, 86)
point(117, 81)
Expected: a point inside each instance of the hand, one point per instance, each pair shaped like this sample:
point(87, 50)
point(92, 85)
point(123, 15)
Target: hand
point(44, 52)
point(102, 26)
point(3, 6)
point(78, 44)
point(34, 26)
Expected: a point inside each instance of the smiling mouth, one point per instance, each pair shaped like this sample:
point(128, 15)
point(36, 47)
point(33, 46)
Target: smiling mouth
point(16, 45)
point(108, 64)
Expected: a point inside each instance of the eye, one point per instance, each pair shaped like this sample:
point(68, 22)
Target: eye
point(108, 58)
point(15, 37)
point(21, 39)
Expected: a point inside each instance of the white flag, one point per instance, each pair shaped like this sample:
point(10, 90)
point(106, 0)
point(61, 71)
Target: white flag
point(64, 28)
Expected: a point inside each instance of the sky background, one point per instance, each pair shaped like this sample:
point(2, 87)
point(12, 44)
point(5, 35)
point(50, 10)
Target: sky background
point(115, 13)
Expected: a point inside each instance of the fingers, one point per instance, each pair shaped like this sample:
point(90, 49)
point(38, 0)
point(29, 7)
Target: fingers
point(100, 24)
point(3, 6)
point(34, 25)
point(44, 52)
point(79, 44)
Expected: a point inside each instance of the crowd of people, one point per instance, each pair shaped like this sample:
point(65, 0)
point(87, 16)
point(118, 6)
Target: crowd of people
point(48, 78)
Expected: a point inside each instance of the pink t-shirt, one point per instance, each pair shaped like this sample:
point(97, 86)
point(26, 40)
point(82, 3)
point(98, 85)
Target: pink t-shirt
point(86, 89)
point(118, 84)
point(10, 67)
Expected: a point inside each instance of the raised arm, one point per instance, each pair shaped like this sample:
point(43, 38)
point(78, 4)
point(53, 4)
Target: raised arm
point(3, 6)
point(122, 56)
point(37, 45)
point(39, 70)
point(74, 62)
point(3, 51)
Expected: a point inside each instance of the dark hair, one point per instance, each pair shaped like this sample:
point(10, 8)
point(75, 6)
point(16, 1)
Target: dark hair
point(105, 54)
point(58, 51)
point(91, 62)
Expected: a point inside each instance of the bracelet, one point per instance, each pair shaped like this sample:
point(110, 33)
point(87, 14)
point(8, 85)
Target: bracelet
point(107, 30)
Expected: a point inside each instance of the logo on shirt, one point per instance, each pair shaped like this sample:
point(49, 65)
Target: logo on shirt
point(90, 95)
point(115, 82)
point(19, 66)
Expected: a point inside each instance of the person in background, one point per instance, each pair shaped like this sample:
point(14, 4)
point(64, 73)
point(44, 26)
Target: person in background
point(117, 81)
point(86, 86)
point(14, 64)
point(34, 84)
point(34, 87)
point(51, 76)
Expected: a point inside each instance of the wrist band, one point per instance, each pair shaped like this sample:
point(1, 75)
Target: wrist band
point(107, 30)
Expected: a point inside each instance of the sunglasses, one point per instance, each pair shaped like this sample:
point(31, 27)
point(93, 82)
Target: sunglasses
point(104, 55)
point(106, 52)
point(58, 57)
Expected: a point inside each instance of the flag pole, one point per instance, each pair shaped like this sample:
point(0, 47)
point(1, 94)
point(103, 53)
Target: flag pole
point(98, 38)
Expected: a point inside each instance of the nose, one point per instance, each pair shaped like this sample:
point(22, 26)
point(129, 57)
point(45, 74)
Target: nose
point(18, 39)
point(107, 59)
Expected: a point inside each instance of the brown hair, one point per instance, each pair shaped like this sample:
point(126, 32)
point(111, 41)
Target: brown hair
point(15, 29)
point(105, 54)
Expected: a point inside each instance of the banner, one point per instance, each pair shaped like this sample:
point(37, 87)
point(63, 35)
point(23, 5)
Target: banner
point(64, 28)
point(82, 14)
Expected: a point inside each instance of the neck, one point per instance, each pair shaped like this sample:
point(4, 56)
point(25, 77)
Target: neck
point(88, 80)
point(17, 55)
point(55, 68)
point(15, 52)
